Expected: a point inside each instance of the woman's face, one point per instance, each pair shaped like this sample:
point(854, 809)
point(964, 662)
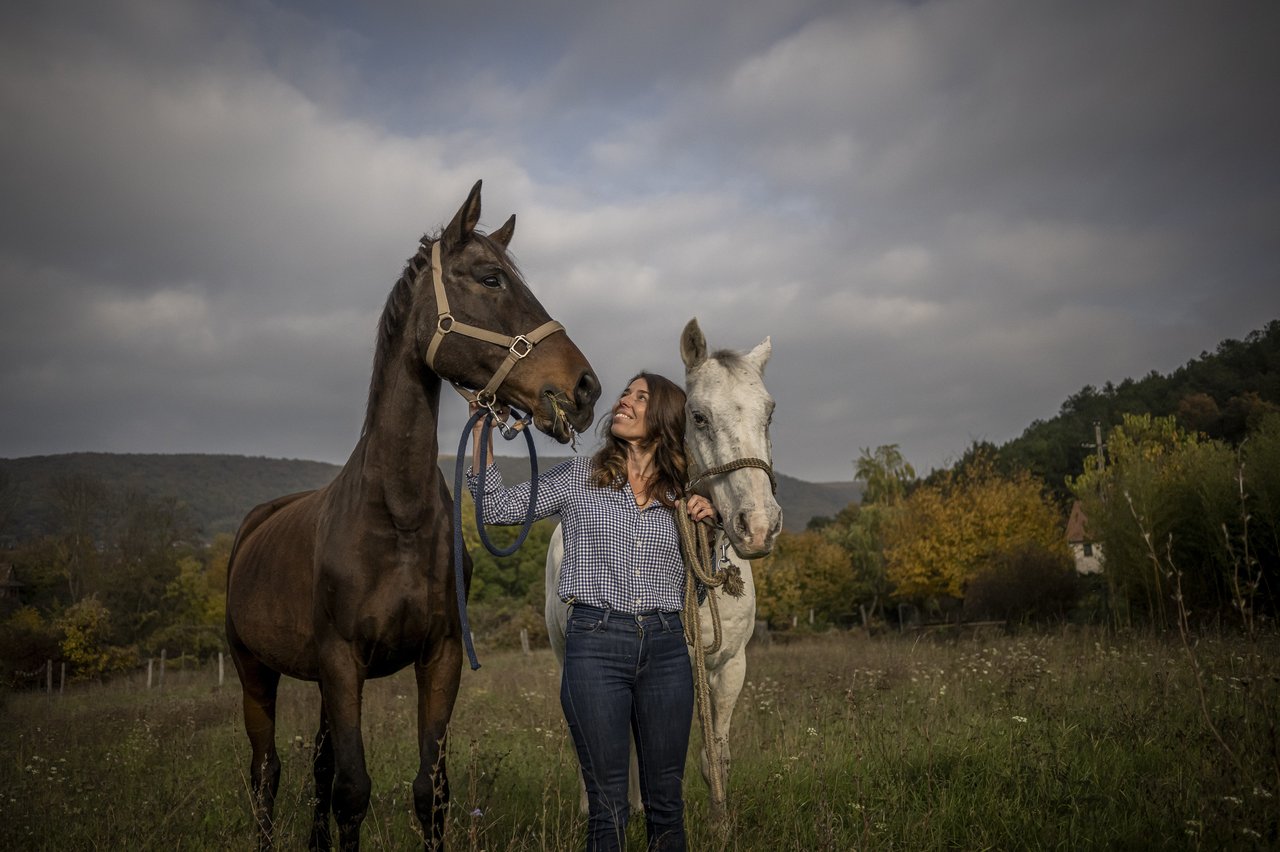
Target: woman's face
point(629, 422)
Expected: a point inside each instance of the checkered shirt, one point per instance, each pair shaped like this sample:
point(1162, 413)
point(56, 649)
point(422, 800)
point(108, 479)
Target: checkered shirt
point(615, 553)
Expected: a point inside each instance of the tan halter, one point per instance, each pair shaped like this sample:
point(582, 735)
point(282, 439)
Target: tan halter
point(517, 347)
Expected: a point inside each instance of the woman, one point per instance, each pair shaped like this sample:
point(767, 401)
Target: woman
point(626, 668)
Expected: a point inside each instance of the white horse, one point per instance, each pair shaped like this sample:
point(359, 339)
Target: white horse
point(727, 415)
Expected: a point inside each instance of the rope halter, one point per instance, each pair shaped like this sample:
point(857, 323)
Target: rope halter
point(517, 347)
point(736, 464)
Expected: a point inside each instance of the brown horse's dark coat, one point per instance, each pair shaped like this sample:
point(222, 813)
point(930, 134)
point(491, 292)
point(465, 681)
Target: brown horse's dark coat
point(355, 580)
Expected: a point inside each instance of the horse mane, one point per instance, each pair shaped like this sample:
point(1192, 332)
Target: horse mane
point(396, 312)
point(391, 326)
point(728, 358)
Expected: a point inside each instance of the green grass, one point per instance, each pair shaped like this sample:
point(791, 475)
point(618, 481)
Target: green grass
point(1078, 740)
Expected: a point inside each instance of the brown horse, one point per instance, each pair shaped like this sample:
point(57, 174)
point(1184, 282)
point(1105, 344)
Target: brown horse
point(354, 580)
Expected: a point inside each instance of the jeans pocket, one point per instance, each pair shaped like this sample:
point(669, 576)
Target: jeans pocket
point(583, 624)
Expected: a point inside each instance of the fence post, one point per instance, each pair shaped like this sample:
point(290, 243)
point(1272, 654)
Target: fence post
point(62, 678)
point(48, 677)
point(164, 652)
point(524, 640)
point(810, 617)
point(220, 668)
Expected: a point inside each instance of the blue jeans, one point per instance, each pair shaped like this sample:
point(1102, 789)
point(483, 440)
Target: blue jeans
point(629, 675)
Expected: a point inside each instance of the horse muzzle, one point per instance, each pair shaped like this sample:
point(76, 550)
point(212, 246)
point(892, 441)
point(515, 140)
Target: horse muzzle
point(563, 414)
point(752, 531)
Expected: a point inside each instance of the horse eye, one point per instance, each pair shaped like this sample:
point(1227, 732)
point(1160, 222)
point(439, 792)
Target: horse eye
point(493, 282)
point(699, 420)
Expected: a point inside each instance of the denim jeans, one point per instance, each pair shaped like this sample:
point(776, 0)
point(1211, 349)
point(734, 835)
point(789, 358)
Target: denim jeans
point(629, 675)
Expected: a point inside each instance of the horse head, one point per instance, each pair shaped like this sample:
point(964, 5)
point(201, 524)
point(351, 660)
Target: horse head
point(727, 416)
point(486, 330)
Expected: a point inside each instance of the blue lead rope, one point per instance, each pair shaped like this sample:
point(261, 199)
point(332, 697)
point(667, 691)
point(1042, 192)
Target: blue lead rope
point(459, 579)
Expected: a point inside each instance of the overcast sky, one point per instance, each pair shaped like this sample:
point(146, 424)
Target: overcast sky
point(949, 216)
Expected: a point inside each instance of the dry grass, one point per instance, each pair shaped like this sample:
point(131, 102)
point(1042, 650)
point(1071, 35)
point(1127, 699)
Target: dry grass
point(1077, 740)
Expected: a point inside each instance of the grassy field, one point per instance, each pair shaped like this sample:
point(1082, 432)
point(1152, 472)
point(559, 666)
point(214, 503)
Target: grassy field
point(1076, 740)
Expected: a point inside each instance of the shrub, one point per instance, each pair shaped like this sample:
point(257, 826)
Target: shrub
point(26, 642)
point(1028, 583)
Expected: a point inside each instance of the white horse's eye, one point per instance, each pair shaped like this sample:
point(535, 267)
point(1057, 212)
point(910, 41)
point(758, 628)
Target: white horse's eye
point(700, 420)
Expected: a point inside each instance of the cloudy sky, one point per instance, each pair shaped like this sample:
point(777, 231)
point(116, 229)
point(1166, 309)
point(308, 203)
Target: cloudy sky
point(948, 215)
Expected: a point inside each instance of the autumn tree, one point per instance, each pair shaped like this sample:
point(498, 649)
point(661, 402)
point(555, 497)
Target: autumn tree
point(1166, 500)
point(885, 474)
point(946, 533)
point(805, 571)
point(81, 503)
point(859, 531)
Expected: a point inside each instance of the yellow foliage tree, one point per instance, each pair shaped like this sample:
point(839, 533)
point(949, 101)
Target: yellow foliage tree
point(805, 571)
point(945, 534)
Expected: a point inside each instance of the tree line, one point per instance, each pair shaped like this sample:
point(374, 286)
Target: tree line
point(1183, 495)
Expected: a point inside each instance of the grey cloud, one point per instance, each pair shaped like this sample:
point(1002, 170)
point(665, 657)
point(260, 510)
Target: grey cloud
point(949, 216)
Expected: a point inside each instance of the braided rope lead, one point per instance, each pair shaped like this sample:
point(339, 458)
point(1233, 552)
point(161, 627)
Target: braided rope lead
point(695, 542)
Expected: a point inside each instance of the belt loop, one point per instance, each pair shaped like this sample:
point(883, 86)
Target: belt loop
point(604, 623)
point(662, 615)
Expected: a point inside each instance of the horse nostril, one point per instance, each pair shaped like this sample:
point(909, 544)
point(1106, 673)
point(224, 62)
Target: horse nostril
point(588, 390)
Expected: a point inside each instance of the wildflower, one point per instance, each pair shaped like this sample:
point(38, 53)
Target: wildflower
point(477, 813)
point(1235, 800)
point(813, 732)
point(1022, 720)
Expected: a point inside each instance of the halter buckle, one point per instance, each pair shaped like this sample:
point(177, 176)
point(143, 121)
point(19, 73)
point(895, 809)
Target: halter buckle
point(444, 324)
point(525, 347)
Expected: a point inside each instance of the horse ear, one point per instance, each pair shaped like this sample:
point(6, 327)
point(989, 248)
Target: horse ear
point(465, 220)
point(503, 235)
point(693, 345)
point(760, 355)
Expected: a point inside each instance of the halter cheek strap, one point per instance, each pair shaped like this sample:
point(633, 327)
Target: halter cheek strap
point(517, 347)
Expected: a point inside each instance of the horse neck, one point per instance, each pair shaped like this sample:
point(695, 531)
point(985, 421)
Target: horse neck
point(396, 459)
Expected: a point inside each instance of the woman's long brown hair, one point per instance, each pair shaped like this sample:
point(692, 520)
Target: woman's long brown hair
point(664, 421)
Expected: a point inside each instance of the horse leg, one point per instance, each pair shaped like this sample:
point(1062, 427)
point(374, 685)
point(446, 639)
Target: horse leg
point(259, 685)
point(438, 677)
point(633, 783)
point(726, 684)
point(322, 770)
point(341, 685)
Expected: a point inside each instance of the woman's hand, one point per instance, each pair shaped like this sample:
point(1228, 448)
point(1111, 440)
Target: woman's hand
point(700, 508)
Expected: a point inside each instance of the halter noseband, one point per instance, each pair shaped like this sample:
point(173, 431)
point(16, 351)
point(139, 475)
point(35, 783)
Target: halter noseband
point(737, 464)
point(517, 347)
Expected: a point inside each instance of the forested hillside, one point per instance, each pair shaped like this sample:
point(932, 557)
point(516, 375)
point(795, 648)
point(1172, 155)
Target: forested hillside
point(1221, 394)
point(215, 491)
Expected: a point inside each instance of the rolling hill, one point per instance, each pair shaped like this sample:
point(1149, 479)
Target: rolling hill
point(217, 490)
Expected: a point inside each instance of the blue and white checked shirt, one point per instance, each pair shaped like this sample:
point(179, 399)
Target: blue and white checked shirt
point(615, 553)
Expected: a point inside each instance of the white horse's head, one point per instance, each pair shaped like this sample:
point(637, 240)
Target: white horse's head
point(727, 418)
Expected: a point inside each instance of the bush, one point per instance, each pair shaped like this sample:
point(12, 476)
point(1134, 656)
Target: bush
point(83, 626)
point(26, 642)
point(1028, 583)
point(496, 623)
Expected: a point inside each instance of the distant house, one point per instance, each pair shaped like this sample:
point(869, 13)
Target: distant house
point(1086, 551)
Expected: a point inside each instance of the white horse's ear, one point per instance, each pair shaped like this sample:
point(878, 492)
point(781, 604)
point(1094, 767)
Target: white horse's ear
point(760, 355)
point(503, 235)
point(693, 345)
